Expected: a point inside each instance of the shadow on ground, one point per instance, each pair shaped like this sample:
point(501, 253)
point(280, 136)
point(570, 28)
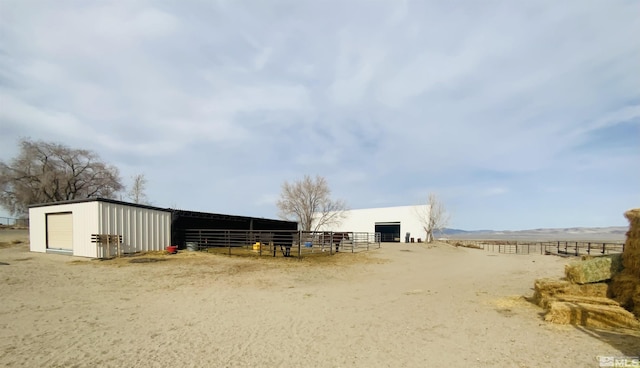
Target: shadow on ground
point(625, 341)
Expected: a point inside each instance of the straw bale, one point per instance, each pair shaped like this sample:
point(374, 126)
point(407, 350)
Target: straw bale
point(631, 255)
point(593, 270)
point(633, 215)
point(625, 289)
point(546, 289)
point(636, 301)
point(591, 315)
point(596, 300)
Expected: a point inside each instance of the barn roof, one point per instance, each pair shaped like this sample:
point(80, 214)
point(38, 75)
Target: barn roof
point(175, 212)
point(101, 199)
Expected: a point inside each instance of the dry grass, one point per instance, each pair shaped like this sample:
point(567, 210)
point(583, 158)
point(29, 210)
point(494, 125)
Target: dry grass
point(510, 302)
point(12, 243)
point(232, 265)
point(468, 245)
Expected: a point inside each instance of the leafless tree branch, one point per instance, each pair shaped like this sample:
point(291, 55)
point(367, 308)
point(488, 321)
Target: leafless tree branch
point(48, 172)
point(309, 202)
point(434, 218)
point(138, 187)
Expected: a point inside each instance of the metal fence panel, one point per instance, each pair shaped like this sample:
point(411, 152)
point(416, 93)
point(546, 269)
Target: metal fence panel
point(279, 243)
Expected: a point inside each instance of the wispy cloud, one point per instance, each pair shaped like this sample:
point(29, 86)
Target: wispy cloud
point(495, 105)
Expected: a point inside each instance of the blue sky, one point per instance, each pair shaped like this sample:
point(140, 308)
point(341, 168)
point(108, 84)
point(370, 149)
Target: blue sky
point(519, 114)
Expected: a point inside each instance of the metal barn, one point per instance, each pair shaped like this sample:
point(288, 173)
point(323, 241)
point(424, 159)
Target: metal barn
point(70, 227)
point(394, 224)
point(80, 227)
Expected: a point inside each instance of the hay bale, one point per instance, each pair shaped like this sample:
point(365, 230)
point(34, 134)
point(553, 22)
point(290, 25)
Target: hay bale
point(623, 289)
point(591, 315)
point(596, 300)
point(631, 255)
point(636, 301)
point(594, 270)
point(547, 289)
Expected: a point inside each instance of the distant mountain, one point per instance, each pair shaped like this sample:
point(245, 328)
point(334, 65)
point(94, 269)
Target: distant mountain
point(448, 231)
point(612, 233)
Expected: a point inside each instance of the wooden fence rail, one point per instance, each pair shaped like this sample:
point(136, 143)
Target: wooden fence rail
point(555, 247)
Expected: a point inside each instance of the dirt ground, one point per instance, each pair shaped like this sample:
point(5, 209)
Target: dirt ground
point(404, 305)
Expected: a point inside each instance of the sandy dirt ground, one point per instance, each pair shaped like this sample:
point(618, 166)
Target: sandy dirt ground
point(404, 305)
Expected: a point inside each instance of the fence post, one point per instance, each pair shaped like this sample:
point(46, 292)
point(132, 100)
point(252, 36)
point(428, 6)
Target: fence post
point(300, 240)
point(576, 248)
point(603, 246)
point(330, 243)
point(589, 248)
point(353, 241)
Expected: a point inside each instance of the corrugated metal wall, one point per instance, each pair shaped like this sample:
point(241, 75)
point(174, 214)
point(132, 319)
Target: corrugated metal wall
point(142, 229)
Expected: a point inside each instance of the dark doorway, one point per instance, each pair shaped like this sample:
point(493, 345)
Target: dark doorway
point(389, 231)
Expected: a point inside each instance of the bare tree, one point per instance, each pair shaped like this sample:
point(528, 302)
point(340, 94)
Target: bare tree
point(50, 172)
point(138, 187)
point(433, 217)
point(309, 202)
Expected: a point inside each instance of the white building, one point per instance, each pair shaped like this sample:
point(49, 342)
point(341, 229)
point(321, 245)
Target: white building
point(394, 223)
point(67, 227)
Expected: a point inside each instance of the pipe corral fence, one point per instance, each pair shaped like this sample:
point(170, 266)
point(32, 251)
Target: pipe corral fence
point(279, 243)
point(14, 222)
point(560, 248)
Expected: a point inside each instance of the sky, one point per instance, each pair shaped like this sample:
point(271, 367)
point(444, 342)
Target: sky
point(517, 114)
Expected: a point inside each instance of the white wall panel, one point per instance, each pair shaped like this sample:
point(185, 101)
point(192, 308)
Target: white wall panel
point(37, 230)
point(364, 220)
point(84, 224)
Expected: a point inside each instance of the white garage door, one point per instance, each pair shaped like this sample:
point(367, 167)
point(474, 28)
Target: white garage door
point(60, 231)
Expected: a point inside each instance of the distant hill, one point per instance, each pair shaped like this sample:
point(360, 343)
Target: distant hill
point(448, 231)
point(612, 233)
